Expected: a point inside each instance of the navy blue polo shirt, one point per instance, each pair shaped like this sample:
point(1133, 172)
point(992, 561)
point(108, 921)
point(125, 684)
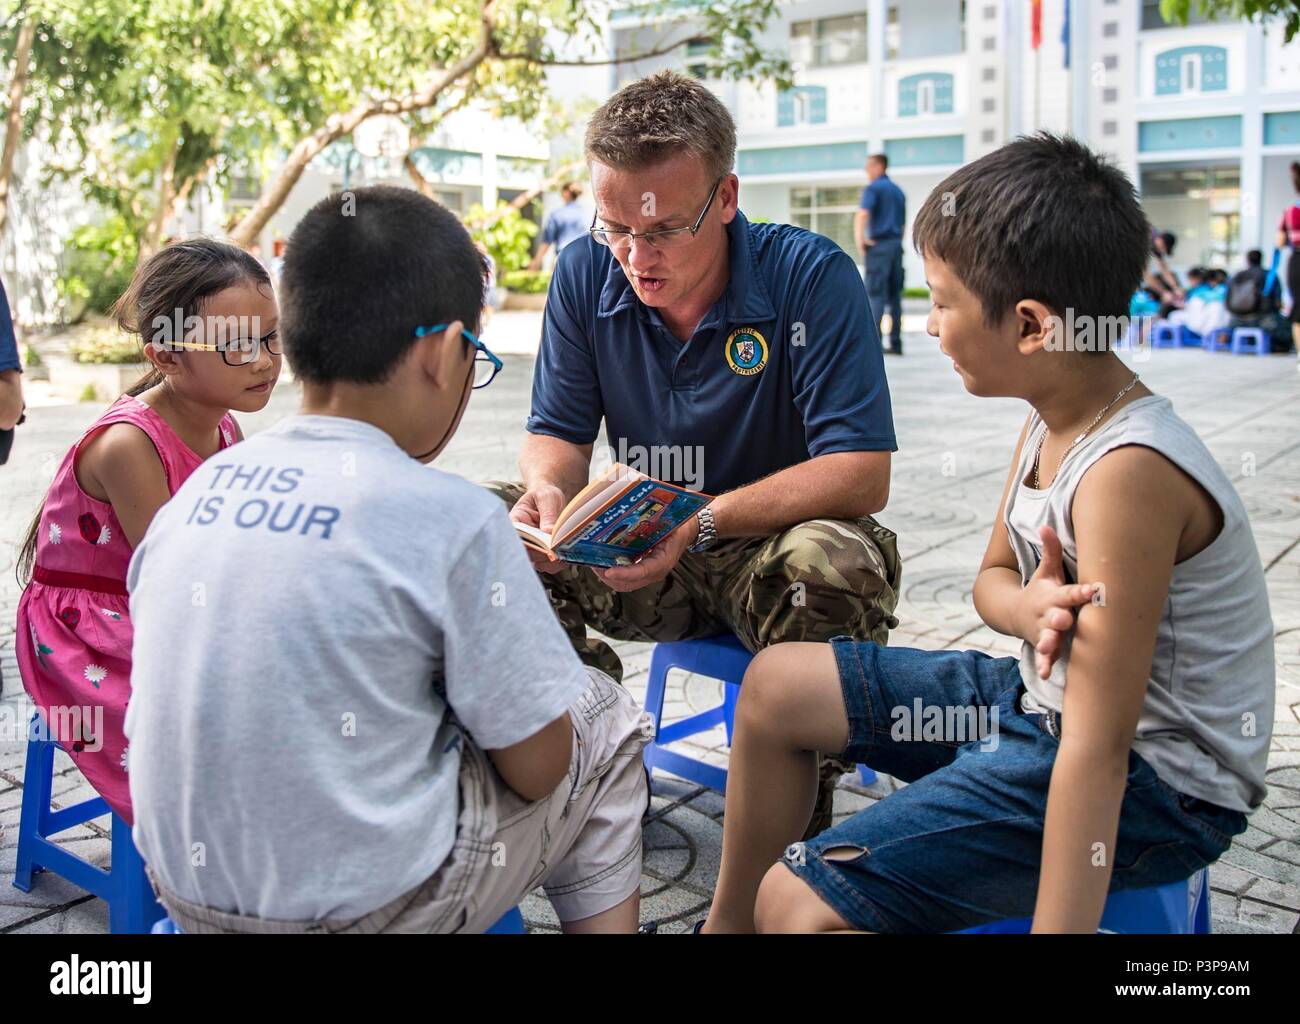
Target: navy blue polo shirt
point(785, 366)
point(887, 205)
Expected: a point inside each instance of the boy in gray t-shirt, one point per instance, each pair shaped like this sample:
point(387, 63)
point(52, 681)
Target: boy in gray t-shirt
point(352, 707)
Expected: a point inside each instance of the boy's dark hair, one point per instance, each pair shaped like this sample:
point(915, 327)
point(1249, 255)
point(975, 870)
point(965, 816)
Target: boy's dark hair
point(1041, 218)
point(881, 159)
point(362, 270)
point(1254, 258)
point(1200, 273)
point(1170, 240)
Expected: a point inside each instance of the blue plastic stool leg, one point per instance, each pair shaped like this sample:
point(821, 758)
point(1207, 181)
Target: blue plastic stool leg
point(37, 783)
point(511, 923)
point(132, 908)
point(722, 658)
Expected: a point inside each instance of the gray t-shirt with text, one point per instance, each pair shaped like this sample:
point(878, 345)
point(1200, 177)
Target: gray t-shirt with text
point(307, 609)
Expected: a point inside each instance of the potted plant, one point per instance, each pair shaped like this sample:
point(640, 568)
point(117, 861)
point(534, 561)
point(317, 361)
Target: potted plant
point(526, 289)
point(102, 361)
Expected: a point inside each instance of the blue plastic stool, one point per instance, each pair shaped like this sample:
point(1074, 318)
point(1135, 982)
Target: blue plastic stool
point(510, 924)
point(1166, 335)
point(1250, 341)
point(717, 657)
point(1180, 908)
point(1190, 339)
point(1219, 339)
point(124, 887)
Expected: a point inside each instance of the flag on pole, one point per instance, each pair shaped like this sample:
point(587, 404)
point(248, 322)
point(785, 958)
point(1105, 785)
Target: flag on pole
point(1065, 33)
point(1036, 23)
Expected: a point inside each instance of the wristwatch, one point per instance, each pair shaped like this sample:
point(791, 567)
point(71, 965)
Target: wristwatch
point(708, 534)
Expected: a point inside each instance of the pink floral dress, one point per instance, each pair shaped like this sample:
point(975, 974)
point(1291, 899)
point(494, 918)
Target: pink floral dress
point(74, 629)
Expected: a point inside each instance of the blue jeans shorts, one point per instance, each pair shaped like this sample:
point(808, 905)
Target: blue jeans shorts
point(961, 844)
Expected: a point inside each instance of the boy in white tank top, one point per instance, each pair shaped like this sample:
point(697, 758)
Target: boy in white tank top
point(1126, 745)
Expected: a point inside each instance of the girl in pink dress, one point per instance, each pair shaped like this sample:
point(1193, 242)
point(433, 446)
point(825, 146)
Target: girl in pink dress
point(206, 314)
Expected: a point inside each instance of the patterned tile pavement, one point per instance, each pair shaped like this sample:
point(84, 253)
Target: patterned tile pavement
point(947, 478)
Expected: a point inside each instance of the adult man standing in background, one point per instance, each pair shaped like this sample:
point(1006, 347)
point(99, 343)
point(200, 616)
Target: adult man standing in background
point(878, 227)
point(564, 225)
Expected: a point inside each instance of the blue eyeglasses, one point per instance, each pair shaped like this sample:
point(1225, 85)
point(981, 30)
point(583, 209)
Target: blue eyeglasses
point(486, 365)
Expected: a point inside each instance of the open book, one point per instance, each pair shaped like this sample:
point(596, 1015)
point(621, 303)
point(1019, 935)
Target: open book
point(615, 519)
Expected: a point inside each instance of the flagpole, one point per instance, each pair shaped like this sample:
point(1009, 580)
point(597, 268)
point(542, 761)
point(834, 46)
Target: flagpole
point(1038, 87)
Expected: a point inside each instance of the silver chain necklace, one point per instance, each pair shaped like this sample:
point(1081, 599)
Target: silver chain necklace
point(1086, 430)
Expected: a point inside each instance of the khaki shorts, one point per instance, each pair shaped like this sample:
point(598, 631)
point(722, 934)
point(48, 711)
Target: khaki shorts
point(582, 843)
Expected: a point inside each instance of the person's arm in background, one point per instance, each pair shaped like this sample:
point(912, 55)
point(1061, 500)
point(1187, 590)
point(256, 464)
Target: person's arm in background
point(11, 398)
point(536, 262)
point(550, 235)
point(862, 221)
point(11, 374)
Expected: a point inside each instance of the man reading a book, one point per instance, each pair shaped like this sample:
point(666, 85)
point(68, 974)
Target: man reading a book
point(683, 326)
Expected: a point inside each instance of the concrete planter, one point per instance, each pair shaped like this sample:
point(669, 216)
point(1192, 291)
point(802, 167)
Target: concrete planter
point(520, 300)
point(108, 379)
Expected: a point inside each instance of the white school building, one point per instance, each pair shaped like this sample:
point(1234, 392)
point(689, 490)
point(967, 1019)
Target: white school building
point(1204, 118)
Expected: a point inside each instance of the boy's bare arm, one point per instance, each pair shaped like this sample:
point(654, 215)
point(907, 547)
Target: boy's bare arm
point(535, 766)
point(997, 586)
point(1040, 611)
point(1129, 513)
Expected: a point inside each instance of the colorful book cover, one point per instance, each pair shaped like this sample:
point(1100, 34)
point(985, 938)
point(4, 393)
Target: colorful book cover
point(632, 525)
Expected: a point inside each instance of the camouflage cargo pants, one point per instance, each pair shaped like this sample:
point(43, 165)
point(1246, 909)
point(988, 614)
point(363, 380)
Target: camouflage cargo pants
point(816, 580)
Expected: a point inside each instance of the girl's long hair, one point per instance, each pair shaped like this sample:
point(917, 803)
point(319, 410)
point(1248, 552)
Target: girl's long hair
point(178, 277)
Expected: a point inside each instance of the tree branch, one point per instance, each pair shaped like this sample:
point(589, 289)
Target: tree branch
point(630, 58)
point(338, 125)
point(524, 198)
point(13, 128)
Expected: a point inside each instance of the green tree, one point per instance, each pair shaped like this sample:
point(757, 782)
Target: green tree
point(141, 99)
point(1287, 10)
point(148, 98)
point(421, 61)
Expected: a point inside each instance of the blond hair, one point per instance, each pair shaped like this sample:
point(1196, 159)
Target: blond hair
point(657, 117)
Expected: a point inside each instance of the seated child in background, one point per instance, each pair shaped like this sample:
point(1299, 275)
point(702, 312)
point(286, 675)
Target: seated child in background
point(1204, 309)
point(74, 627)
point(1117, 757)
point(1255, 298)
point(351, 694)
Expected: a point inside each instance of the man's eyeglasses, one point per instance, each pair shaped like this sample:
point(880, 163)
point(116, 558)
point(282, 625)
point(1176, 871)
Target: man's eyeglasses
point(239, 352)
point(665, 238)
point(486, 365)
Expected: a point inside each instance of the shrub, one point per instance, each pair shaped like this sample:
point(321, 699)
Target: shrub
point(106, 345)
point(509, 238)
point(98, 261)
point(527, 282)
